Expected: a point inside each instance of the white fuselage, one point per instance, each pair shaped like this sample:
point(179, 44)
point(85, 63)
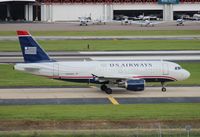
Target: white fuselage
point(148, 70)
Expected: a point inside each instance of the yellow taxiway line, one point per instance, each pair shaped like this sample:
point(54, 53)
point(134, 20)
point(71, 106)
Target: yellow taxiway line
point(113, 100)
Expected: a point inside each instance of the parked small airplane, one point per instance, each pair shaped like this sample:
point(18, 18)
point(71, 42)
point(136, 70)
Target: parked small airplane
point(180, 22)
point(126, 21)
point(150, 17)
point(146, 23)
point(196, 17)
point(84, 21)
point(186, 17)
point(128, 74)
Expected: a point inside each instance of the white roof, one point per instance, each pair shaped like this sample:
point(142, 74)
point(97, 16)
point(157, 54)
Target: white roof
point(17, 0)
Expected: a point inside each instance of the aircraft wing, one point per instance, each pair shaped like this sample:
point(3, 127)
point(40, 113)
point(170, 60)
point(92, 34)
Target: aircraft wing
point(99, 21)
point(157, 22)
point(113, 79)
point(138, 22)
point(144, 23)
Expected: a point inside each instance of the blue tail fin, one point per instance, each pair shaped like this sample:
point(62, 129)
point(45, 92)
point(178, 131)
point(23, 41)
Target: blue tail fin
point(31, 50)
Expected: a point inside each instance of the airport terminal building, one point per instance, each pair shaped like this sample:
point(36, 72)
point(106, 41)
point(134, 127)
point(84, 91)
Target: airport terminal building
point(70, 10)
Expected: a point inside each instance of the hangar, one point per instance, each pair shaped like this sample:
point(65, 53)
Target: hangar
point(70, 10)
point(19, 10)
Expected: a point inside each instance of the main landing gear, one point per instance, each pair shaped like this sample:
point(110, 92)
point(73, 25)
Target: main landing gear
point(106, 89)
point(163, 87)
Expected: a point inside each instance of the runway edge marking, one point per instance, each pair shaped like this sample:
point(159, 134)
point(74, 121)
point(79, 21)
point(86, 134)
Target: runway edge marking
point(113, 100)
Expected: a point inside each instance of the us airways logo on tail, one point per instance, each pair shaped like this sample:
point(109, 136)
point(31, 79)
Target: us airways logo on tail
point(30, 50)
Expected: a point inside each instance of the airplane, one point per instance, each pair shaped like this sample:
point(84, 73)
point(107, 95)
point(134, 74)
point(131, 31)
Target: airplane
point(186, 17)
point(196, 17)
point(150, 17)
point(99, 21)
point(180, 22)
point(84, 21)
point(146, 23)
point(129, 74)
point(125, 21)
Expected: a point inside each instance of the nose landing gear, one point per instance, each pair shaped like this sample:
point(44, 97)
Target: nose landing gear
point(163, 87)
point(106, 89)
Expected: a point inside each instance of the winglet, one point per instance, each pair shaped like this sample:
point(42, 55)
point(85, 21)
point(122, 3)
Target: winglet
point(23, 33)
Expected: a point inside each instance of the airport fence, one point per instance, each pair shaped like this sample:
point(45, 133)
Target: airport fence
point(152, 130)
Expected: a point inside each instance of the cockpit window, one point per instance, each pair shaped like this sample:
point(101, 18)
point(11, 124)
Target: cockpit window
point(177, 68)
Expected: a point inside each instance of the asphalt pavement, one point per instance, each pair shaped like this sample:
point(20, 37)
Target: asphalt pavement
point(93, 95)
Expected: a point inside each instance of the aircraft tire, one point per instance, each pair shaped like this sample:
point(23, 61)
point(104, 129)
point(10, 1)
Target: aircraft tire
point(164, 89)
point(103, 87)
point(108, 91)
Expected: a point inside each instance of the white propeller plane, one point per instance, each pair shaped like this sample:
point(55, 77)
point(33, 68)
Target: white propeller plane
point(180, 22)
point(126, 21)
point(147, 23)
point(129, 74)
point(84, 21)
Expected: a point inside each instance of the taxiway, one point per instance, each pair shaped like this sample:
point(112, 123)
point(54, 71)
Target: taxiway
point(15, 57)
point(93, 95)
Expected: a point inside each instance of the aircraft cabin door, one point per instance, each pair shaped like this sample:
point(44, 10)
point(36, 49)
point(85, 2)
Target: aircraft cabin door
point(56, 69)
point(165, 69)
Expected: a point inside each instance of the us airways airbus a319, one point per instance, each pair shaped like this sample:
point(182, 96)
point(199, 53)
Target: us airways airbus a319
point(128, 74)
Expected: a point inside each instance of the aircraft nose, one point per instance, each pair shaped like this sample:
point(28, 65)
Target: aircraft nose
point(186, 74)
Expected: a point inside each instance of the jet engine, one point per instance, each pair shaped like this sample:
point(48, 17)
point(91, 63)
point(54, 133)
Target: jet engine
point(133, 84)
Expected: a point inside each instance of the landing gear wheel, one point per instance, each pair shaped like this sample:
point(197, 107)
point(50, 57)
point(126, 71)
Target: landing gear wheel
point(164, 89)
point(108, 91)
point(103, 87)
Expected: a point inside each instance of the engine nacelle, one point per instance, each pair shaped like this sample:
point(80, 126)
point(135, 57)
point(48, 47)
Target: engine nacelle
point(135, 84)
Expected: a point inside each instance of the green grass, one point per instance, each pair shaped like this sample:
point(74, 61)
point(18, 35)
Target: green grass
point(172, 111)
point(108, 45)
point(107, 33)
point(13, 78)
